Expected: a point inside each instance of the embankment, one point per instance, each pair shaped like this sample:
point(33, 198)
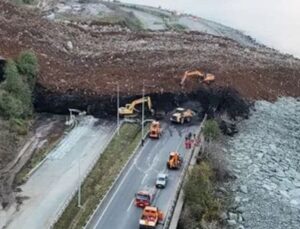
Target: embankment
point(204, 100)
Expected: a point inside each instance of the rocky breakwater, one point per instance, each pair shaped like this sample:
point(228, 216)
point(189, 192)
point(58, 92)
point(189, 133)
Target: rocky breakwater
point(265, 159)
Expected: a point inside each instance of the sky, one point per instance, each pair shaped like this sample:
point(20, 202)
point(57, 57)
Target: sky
point(275, 23)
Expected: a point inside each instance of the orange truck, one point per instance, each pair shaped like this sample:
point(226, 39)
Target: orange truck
point(150, 217)
point(155, 130)
point(145, 197)
point(174, 161)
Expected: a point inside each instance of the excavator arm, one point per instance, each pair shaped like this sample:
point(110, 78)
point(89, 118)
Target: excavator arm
point(205, 77)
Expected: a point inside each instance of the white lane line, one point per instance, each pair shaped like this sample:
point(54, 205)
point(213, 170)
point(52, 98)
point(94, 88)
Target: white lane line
point(131, 203)
point(120, 185)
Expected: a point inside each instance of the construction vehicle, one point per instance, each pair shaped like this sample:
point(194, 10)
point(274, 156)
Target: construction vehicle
point(155, 130)
point(150, 217)
point(145, 197)
point(174, 161)
point(130, 109)
point(182, 115)
point(203, 76)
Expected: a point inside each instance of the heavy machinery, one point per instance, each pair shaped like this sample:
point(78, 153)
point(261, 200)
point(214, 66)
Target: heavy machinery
point(145, 197)
point(150, 217)
point(155, 130)
point(130, 109)
point(203, 76)
point(174, 161)
point(182, 115)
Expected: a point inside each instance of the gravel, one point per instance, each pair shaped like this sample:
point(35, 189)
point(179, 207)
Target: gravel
point(266, 152)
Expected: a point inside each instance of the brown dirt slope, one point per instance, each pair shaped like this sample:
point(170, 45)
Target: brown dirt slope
point(102, 55)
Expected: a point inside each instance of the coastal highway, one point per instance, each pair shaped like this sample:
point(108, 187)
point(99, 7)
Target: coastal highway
point(119, 211)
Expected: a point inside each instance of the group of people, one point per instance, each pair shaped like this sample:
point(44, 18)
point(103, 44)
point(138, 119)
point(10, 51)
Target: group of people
point(190, 139)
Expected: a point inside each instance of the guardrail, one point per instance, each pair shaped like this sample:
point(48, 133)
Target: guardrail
point(71, 196)
point(125, 167)
point(169, 215)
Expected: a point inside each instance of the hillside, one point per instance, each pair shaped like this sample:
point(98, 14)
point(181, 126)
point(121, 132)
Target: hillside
point(87, 58)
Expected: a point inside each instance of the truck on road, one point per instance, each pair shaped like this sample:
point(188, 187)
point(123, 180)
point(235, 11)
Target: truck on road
point(150, 217)
point(145, 197)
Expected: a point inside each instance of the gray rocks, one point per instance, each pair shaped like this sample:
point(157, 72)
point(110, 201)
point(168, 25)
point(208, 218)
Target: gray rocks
point(265, 155)
point(70, 45)
point(231, 222)
point(244, 189)
point(232, 216)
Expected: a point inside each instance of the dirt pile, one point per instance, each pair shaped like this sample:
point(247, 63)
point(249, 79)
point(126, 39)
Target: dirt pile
point(83, 59)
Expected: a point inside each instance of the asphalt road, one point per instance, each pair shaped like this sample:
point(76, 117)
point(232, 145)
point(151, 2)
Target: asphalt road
point(51, 185)
point(119, 211)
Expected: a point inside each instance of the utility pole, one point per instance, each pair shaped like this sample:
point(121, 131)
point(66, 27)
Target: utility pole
point(79, 185)
point(143, 113)
point(118, 105)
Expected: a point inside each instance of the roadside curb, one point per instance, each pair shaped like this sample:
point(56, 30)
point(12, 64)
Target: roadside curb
point(69, 199)
point(118, 178)
point(174, 210)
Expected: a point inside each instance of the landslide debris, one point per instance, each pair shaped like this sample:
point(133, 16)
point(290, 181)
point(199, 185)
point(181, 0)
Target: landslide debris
point(86, 59)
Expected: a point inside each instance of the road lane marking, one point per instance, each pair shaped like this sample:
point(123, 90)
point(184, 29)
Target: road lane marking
point(131, 203)
point(119, 186)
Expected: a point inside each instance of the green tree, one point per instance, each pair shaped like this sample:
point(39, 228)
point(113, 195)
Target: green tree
point(16, 87)
point(27, 64)
point(10, 107)
point(13, 82)
point(211, 130)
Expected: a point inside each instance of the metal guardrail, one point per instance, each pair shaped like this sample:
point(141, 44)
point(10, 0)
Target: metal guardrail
point(135, 151)
point(171, 209)
point(71, 196)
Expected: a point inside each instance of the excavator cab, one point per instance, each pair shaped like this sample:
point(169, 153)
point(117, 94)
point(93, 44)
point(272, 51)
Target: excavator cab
point(155, 130)
point(130, 109)
point(202, 76)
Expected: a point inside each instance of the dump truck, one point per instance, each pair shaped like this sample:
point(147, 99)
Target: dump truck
point(145, 197)
point(182, 115)
point(175, 161)
point(150, 217)
point(130, 109)
point(202, 76)
point(155, 130)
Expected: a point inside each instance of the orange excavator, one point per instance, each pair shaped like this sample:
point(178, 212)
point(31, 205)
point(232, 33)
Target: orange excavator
point(203, 76)
point(150, 217)
point(174, 161)
point(155, 130)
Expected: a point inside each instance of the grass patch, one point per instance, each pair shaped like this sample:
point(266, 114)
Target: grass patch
point(101, 177)
point(202, 207)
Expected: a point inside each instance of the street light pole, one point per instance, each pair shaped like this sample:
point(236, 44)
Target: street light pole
point(143, 113)
point(79, 185)
point(118, 105)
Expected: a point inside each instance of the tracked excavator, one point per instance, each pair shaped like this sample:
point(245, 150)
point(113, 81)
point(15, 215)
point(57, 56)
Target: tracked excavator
point(203, 76)
point(174, 161)
point(130, 109)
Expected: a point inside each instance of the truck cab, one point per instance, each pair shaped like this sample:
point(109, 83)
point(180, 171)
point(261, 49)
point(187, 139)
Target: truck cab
point(145, 197)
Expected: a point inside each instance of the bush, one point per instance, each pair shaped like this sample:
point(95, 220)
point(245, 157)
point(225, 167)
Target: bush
point(10, 106)
point(18, 95)
point(211, 130)
point(19, 126)
point(27, 64)
point(200, 203)
point(13, 81)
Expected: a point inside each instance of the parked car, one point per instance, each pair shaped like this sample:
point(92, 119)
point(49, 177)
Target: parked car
point(161, 180)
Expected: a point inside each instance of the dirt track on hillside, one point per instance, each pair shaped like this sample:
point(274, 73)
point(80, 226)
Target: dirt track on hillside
point(98, 59)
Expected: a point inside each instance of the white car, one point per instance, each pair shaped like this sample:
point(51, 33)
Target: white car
point(161, 180)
